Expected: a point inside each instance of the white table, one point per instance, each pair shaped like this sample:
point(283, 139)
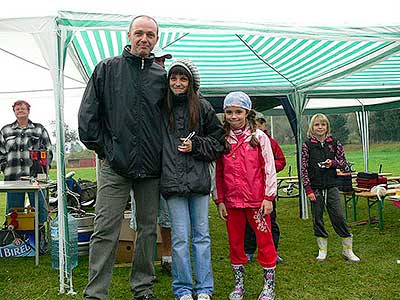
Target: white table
point(27, 186)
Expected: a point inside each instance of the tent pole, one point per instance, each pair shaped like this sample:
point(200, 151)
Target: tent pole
point(272, 127)
point(299, 101)
point(50, 43)
point(65, 258)
point(363, 127)
point(61, 189)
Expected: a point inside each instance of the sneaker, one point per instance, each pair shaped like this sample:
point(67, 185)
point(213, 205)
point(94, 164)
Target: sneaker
point(279, 260)
point(185, 297)
point(166, 267)
point(203, 296)
point(146, 297)
point(249, 256)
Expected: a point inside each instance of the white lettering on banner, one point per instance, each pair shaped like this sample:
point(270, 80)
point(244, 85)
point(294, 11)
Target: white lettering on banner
point(13, 251)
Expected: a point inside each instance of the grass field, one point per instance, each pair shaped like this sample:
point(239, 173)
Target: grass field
point(300, 277)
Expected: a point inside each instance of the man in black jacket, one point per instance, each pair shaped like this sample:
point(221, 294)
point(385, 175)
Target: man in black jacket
point(119, 118)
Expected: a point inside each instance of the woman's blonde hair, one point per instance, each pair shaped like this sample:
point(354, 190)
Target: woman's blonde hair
point(322, 118)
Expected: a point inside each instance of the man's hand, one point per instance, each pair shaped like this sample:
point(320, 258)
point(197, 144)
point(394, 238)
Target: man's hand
point(222, 211)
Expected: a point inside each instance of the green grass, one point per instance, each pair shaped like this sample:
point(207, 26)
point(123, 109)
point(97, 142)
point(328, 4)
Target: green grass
point(84, 173)
point(300, 277)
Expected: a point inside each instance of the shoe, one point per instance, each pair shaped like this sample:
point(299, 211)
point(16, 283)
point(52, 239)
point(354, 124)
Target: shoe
point(238, 291)
point(146, 297)
point(249, 257)
point(203, 296)
point(185, 297)
point(347, 252)
point(323, 248)
point(279, 260)
point(166, 268)
point(268, 291)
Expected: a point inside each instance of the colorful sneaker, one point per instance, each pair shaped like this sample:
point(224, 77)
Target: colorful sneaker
point(185, 297)
point(146, 297)
point(237, 294)
point(203, 296)
point(279, 260)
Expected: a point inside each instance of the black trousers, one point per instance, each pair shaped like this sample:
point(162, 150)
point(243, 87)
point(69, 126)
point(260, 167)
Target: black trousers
point(250, 243)
point(329, 199)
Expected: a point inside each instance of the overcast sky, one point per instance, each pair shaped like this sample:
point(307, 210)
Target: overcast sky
point(305, 12)
point(300, 12)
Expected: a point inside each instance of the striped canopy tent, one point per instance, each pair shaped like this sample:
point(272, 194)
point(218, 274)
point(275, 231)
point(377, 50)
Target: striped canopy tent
point(264, 60)
point(292, 65)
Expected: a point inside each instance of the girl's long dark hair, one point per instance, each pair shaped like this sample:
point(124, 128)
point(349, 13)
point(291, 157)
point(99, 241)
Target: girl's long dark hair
point(193, 99)
point(251, 122)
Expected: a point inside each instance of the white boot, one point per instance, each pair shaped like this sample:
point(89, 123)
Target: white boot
point(347, 252)
point(323, 248)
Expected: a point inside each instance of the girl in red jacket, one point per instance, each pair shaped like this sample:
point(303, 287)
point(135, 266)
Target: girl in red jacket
point(246, 187)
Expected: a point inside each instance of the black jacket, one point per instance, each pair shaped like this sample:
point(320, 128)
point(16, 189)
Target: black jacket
point(321, 178)
point(120, 113)
point(187, 173)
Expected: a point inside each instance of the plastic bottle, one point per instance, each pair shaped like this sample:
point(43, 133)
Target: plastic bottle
point(73, 243)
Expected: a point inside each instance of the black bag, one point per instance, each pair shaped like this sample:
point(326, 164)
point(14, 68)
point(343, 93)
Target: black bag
point(344, 182)
point(367, 175)
point(368, 183)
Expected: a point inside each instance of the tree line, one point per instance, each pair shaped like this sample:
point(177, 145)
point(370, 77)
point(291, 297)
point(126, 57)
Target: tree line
point(384, 126)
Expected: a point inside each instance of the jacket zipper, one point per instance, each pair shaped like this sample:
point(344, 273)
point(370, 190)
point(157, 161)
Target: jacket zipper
point(139, 154)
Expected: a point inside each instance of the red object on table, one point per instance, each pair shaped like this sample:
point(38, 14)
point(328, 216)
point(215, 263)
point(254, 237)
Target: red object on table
point(14, 221)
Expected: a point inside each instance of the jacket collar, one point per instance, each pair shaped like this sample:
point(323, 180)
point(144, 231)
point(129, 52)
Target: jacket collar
point(15, 125)
point(232, 135)
point(147, 61)
point(328, 139)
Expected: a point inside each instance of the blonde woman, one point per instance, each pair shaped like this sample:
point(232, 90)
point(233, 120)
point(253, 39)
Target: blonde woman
point(321, 156)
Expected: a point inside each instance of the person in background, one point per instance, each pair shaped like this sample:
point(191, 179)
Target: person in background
point(250, 243)
point(192, 138)
point(321, 155)
point(163, 216)
point(161, 56)
point(119, 118)
point(17, 140)
point(246, 187)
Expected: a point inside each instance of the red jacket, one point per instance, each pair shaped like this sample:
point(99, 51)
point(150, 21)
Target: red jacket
point(246, 176)
point(280, 160)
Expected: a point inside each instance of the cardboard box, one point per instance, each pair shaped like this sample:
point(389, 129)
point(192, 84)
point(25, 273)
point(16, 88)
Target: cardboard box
point(127, 238)
point(157, 254)
point(24, 217)
point(126, 243)
point(159, 238)
point(126, 233)
point(125, 251)
point(19, 243)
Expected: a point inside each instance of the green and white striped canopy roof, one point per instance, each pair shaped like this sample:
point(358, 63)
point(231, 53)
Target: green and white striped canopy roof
point(261, 59)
